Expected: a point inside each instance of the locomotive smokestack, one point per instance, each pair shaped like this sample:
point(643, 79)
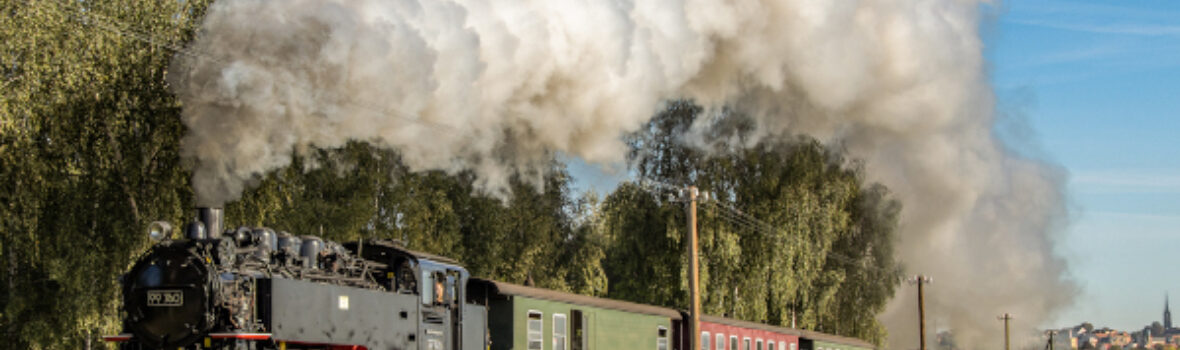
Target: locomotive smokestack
point(211, 217)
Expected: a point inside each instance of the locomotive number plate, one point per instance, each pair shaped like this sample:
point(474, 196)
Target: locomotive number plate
point(165, 298)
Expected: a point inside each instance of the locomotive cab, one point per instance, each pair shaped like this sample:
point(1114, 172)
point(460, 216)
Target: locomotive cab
point(438, 285)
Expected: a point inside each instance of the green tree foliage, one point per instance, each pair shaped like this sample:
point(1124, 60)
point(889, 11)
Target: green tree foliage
point(643, 260)
point(87, 155)
point(585, 250)
point(824, 259)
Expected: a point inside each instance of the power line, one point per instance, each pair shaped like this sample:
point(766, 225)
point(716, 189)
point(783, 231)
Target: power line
point(747, 221)
point(89, 17)
point(742, 220)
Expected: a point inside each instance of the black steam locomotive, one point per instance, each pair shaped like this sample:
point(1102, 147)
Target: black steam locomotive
point(255, 288)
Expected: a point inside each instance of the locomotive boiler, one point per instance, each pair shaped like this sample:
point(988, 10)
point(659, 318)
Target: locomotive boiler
point(257, 288)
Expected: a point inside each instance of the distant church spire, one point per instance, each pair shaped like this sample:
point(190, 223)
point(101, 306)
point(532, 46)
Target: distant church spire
point(1167, 313)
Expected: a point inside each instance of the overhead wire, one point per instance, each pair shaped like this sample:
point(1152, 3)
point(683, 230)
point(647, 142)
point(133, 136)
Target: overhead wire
point(742, 220)
point(89, 17)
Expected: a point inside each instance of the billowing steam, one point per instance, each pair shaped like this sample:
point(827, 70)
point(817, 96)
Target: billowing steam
point(497, 86)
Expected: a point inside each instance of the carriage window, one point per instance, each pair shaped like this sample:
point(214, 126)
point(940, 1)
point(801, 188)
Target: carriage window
point(720, 343)
point(733, 342)
point(661, 338)
point(770, 345)
point(792, 346)
point(705, 341)
point(558, 332)
point(534, 332)
point(745, 343)
point(759, 344)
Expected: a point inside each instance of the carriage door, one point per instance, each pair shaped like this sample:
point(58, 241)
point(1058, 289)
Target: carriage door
point(577, 330)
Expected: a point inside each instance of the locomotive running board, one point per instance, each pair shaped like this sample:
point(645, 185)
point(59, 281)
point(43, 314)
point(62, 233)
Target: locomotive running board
point(246, 336)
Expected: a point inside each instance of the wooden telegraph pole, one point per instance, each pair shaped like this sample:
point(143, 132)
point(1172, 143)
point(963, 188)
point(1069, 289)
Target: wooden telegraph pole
point(920, 280)
point(694, 272)
point(1006, 317)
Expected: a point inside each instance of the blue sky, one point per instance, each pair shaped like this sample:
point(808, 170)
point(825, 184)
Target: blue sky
point(1094, 87)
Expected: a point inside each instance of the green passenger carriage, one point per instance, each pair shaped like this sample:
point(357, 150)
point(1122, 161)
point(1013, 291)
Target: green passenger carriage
point(526, 318)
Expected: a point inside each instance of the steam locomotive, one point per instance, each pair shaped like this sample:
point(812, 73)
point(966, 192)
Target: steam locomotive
point(255, 288)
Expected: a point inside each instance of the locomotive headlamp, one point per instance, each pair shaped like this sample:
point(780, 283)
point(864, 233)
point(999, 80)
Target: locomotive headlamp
point(159, 230)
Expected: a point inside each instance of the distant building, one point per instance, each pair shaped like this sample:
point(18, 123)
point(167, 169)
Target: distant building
point(1167, 314)
point(1170, 335)
point(1107, 337)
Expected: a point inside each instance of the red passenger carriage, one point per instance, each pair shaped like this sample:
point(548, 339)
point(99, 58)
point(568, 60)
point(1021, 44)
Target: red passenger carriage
point(718, 333)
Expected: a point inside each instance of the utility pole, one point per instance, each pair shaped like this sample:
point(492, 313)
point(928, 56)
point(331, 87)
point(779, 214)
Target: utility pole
point(920, 280)
point(1005, 317)
point(694, 272)
point(1051, 334)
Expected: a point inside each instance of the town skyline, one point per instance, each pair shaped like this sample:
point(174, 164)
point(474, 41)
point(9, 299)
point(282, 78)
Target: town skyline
point(1089, 335)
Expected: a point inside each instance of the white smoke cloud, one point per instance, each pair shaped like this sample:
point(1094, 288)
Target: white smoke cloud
point(497, 86)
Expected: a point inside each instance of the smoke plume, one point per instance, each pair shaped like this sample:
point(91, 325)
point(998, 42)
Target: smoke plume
point(498, 86)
